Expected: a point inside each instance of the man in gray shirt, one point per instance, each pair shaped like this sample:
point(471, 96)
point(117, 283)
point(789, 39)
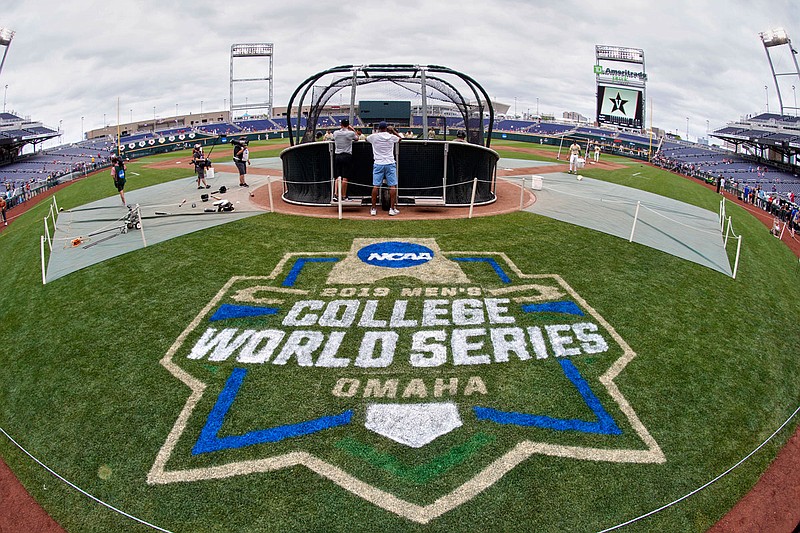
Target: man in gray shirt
point(343, 155)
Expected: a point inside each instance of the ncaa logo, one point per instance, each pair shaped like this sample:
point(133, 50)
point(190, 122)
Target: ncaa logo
point(393, 254)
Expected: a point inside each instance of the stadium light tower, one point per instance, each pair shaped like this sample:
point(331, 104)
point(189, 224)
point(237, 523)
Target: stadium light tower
point(250, 78)
point(6, 36)
point(772, 39)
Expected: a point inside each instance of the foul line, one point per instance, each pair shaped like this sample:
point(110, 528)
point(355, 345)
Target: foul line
point(698, 489)
point(98, 500)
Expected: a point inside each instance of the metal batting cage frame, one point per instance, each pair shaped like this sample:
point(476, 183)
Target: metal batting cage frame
point(431, 81)
point(431, 172)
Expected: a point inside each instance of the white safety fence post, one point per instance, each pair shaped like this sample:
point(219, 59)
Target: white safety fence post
point(141, 224)
point(635, 218)
point(339, 195)
point(472, 199)
point(522, 194)
point(41, 249)
point(727, 233)
point(55, 204)
point(47, 233)
point(269, 189)
point(736, 263)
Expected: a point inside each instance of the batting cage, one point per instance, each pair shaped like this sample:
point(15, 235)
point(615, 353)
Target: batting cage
point(421, 102)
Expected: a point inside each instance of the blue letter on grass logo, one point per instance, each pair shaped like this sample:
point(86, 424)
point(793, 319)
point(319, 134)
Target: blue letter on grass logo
point(395, 254)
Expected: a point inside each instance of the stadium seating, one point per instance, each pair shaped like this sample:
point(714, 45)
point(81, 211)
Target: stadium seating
point(701, 162)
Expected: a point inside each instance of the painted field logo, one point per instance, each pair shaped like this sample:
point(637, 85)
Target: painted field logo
point(395, 254)
point(415, 388)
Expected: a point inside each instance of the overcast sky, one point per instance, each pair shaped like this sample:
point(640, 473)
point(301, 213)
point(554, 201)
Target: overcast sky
point(704, 59)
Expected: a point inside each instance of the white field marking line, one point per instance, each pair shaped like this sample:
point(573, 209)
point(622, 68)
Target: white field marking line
point(716, 232)
point(606, 379)
point(248, 294)
point(706, 485)
point(72, 485)
point(420, 514)
point(635, 174)
point(135, 174)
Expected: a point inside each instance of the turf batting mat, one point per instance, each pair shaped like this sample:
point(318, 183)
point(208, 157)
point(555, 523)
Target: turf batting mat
point(678, 228)
point(97, 231)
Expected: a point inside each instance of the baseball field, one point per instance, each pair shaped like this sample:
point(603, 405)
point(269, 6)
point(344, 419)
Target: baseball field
point(287, 373)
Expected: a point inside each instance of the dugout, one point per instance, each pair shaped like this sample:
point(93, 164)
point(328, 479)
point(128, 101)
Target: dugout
point(430, 172)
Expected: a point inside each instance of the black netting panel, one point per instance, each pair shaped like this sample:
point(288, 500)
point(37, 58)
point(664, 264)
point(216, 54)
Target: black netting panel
point(421, 169)
point(464, 164)
point(360, 183)
point(307, 174)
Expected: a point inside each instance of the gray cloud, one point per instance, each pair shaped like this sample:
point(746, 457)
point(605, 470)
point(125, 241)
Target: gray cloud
point(74, 59)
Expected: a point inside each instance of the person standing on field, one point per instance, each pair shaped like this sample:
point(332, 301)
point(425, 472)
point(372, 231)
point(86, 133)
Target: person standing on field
point(384, 165)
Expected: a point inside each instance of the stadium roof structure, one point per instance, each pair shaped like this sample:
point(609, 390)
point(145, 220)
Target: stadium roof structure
point(767, 131)
point(16, 132)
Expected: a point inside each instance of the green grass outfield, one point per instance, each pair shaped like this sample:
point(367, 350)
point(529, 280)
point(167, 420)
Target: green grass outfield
point(82, 389)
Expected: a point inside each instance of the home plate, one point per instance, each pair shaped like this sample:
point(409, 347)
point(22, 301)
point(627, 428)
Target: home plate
point(414, 425)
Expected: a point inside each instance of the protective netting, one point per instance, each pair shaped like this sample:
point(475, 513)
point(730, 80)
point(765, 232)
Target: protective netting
point(438, 90)
point(425, 169)
point(434, 84)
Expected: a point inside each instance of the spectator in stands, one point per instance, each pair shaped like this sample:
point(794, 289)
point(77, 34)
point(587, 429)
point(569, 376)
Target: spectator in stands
point(343, 139)
point(201, 163)
point(118, 173)
point(574, 155)
point(3, 206)
point(383, 142)
point(241, 158)
point(461, 137)
point(361, 136)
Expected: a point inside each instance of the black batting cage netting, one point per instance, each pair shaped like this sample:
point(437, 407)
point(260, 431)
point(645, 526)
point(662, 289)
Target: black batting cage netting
point(439, 172)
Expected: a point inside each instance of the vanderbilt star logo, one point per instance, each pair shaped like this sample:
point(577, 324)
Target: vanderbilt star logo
point(619, 104)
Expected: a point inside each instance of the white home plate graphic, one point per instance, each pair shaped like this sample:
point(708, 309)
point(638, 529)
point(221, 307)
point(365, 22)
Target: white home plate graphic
point(414, 425)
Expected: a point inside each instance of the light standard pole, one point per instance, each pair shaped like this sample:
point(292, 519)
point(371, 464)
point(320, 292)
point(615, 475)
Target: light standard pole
point(5, 93)
point(708, 127)
point(154, 119)
point(224, 104)
point(131, 116)
point(687, 129)
point(176, 112)
point(537, 107)
point(793, 93)
point(515, 107)
point(83, 134)
point(201, 107)
point(104, 120)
